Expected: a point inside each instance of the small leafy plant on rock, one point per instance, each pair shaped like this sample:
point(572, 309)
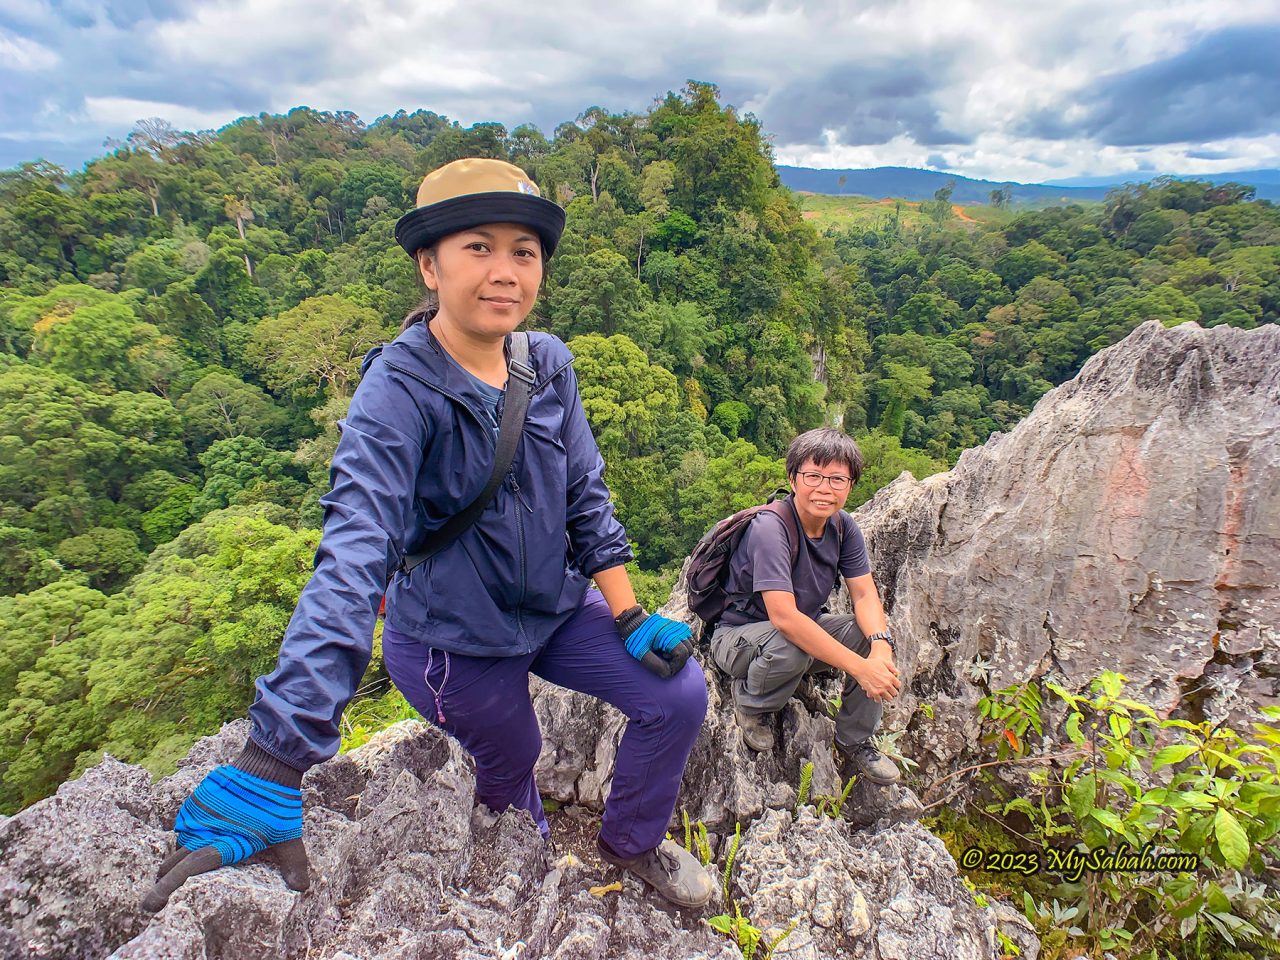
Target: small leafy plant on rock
point(1194, 806)
point(748, 938)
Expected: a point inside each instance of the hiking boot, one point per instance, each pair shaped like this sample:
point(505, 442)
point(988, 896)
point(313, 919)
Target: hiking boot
point(674, 873)
point(866, 761)
point(757, 731)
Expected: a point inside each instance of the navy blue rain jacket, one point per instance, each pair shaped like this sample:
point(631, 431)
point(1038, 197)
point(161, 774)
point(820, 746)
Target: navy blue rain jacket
point(416, 449)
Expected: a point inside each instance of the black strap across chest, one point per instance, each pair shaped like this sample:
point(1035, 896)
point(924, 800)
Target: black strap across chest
point(520, 379)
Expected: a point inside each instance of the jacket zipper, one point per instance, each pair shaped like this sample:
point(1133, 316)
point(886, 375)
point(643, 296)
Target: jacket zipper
point(515, 489)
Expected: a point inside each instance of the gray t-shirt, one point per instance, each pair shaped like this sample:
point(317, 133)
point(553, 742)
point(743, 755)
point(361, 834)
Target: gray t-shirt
point(763, 562)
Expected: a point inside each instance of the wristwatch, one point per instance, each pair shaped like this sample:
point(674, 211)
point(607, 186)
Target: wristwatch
point(887, 637)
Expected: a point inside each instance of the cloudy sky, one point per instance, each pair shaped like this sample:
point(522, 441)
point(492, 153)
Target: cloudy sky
point(1024, 90)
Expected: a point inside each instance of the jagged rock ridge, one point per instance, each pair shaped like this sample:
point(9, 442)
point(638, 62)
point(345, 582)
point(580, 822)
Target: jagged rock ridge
point(403, 867)
point(1131, 522)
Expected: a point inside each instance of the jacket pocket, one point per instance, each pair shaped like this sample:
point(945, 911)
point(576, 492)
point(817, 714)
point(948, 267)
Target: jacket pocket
point(415, 590)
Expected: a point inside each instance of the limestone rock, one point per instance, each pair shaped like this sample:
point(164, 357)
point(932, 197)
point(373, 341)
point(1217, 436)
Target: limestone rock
point(1130, 522)
point(403, 867)
point(70, 866)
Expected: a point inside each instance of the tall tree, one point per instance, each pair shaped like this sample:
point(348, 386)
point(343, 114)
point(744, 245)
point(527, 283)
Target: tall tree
point(315, 346)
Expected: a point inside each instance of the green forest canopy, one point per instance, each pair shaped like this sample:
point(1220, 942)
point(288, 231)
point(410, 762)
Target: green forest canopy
point(181, 325)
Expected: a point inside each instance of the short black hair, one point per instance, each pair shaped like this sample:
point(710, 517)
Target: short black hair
point(823, 446)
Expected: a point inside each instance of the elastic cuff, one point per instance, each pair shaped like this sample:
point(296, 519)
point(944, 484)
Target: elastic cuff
point(629, 619)
point(256, 761)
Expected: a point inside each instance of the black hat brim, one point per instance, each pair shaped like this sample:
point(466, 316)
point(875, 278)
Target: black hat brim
point(424, 226)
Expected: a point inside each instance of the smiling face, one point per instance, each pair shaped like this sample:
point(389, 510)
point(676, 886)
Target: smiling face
point(486, 278)
point(818, 504)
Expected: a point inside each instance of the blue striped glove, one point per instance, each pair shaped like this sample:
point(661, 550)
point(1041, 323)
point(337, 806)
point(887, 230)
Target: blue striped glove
point(239, 809)
point(662, 645)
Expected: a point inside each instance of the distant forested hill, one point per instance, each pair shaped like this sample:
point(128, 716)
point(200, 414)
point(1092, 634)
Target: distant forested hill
point(910, 183)
point(181, 325)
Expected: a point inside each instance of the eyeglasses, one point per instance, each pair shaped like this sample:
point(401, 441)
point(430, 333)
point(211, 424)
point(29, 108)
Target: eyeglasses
point(838, 483)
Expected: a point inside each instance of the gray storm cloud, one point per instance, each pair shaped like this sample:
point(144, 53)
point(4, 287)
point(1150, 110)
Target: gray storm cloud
point(834, 73)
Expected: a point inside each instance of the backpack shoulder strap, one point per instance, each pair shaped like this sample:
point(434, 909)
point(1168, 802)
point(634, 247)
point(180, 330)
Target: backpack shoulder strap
point(786, 512)
point(842, 521)
point(520, 380)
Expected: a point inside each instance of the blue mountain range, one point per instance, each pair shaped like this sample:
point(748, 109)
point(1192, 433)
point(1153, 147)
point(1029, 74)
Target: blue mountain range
point(909, 183)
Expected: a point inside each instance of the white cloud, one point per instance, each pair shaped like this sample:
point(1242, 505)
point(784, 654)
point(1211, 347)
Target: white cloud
point(20, 53)
point(997, 157)
point(890, 82)
point(125, 112)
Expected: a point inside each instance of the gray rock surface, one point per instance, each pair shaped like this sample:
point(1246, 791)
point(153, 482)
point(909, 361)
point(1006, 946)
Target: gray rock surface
point(403, 867)
point(1131, 522)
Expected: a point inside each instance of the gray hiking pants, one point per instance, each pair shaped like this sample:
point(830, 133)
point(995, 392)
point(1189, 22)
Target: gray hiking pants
point(766, 668)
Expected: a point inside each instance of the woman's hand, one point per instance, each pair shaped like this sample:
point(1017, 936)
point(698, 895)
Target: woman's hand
point(231, 815)
point(662, 645)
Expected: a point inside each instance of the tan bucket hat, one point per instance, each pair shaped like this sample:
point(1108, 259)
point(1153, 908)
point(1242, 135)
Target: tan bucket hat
point(475, 191)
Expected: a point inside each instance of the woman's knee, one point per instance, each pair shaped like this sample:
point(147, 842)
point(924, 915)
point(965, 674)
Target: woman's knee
point(686, 704)
point(503, 756)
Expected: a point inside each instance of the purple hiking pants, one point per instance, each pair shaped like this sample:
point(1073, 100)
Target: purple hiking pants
point(486, 706)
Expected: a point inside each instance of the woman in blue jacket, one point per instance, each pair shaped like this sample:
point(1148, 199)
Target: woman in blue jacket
point(509, 597)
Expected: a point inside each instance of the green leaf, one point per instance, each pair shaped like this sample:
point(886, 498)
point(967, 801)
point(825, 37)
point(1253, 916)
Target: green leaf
point(1251, 791)
point(1070, 698)
point(1073, 728)
point(1108, 820)
point(1082, 796)
point(1112, 682)
point(1135, 705)
point(1019, 803)
point(1183, 725)
point(1223, 758)
point(1156, 797)
point(1174, 754)
point(721, 924)
point(1196, 799)
point(1121, 780)
point(1197, 834)
point(1232, 840)
point(1120, 725)
point(1217, 900)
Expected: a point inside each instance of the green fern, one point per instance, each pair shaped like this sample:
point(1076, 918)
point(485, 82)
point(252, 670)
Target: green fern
point(748, 934)
point(1260, 939)
point(733, 853)
point(806, 781)
point(702, 842)
point(768, 954)
point(688, 831)
point(844, 795)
